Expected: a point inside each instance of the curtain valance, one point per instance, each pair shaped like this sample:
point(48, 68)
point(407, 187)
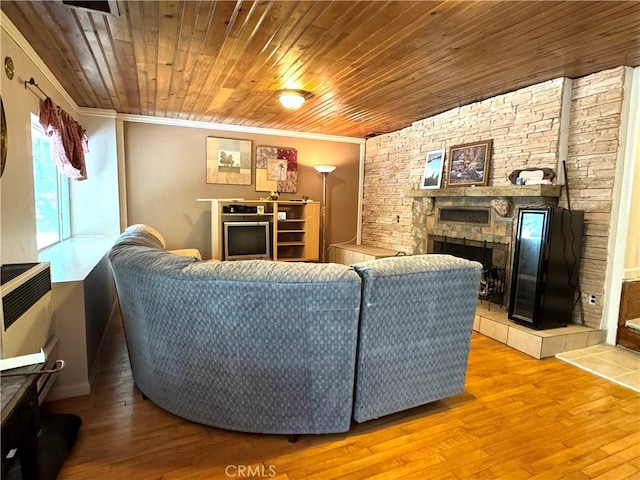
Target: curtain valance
point(69, 140)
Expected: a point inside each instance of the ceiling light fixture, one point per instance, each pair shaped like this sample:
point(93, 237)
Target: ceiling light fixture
point(293, 99)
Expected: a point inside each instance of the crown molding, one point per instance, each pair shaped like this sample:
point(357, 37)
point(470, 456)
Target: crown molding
point(97, 112)
point(175, 122)
point(28, 50)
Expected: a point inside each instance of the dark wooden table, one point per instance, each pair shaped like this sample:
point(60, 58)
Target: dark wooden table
point(20, 419)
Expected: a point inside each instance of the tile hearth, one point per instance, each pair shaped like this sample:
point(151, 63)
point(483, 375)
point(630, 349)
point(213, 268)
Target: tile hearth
point(491, 320)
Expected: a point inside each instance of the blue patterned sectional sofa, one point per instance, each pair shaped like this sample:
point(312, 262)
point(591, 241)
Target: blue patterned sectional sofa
point(292, 348)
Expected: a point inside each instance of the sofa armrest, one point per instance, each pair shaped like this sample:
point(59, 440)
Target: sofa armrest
point(416, 319)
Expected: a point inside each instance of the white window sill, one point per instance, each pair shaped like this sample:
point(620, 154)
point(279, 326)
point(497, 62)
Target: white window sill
point(72, 260)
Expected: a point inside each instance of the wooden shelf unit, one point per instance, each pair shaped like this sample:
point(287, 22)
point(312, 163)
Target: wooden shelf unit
point(294, 238)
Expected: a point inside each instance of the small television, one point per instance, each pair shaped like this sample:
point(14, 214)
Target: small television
point(246, 241)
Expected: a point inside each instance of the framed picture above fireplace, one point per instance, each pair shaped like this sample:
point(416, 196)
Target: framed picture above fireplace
point(432, 176)
point(468, 164)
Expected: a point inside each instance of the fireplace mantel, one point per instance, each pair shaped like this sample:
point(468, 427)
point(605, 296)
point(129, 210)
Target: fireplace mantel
point(552, 191)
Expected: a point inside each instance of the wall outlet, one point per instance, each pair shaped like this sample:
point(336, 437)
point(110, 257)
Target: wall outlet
point(592, 299)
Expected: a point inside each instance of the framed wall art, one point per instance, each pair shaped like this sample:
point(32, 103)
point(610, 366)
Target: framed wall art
point(276, 169)
point(228, 161)
point(432, 176)
point(468, 164)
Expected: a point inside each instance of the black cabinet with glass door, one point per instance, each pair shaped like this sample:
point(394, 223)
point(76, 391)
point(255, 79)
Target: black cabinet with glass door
point(544, 278)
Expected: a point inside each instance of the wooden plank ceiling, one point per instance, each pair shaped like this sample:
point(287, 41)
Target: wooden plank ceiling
point(372, 66)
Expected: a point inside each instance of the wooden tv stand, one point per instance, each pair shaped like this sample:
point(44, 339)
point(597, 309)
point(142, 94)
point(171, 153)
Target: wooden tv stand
point(294, 239)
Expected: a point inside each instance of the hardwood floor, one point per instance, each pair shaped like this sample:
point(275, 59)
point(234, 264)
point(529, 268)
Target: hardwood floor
point(519, 418)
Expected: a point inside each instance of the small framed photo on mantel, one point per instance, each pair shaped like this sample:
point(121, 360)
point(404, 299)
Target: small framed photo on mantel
point(468, 164)
point(432, 176)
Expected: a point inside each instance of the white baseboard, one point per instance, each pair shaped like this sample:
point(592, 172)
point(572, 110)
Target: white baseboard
point(68, 391)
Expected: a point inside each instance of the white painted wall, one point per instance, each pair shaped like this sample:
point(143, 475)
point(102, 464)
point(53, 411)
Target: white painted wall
point(94, 202)
point(18, 205)
point(622, 210)
point(94, 209)
point(71, 331)
point(632, 258)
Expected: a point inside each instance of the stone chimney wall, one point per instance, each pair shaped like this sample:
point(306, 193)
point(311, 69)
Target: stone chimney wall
point(525, 128)
point(594, 130)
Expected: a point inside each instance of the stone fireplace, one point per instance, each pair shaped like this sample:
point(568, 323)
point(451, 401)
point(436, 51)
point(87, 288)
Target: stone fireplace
point(476, 223)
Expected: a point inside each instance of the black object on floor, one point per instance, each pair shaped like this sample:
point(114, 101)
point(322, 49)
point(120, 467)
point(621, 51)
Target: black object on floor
point(57, 436)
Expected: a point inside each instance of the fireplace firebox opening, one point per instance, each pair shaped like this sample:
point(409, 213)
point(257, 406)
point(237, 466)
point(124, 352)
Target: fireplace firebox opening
point(492, 255)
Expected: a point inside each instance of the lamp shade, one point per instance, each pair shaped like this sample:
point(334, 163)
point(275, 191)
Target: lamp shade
point(292, 99)
point(324, 168)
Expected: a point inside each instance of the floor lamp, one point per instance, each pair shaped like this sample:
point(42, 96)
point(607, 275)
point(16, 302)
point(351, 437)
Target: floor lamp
point(324, 170)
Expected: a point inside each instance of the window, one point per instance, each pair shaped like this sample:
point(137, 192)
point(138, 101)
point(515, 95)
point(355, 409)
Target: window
point(51, 191)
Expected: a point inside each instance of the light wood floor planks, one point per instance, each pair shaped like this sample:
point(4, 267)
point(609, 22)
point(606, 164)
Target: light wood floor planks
point(519, 418)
